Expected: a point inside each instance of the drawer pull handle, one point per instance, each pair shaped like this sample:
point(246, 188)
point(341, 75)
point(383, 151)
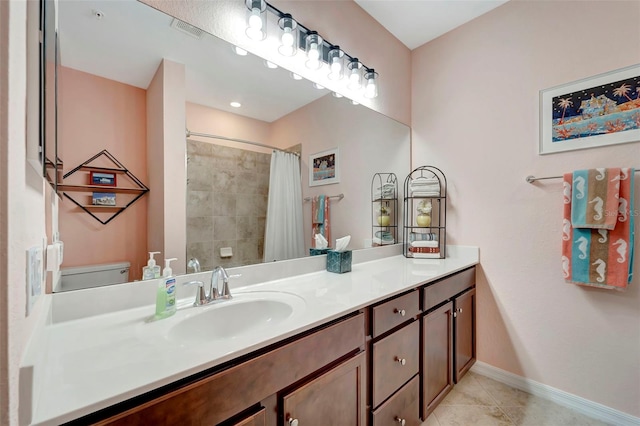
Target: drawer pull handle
point(400, 421)
point(292, 422)
point(460, 310)
point(402, 312)
point(401, 361)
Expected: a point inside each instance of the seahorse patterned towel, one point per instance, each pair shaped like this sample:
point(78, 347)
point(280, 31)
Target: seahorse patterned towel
point(596, 256)
point(595, 192)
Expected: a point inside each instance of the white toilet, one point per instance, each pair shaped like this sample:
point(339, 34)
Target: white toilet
point(80, 277)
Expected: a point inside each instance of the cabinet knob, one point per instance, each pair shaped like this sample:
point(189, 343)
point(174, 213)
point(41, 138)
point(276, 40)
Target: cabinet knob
point(399, 311)
point(401, 361)
point(400, 421)
point(292, 422)
point(460, 310)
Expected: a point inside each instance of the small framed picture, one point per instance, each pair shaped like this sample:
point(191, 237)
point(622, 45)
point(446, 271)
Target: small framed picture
point(324, 167)
point(103, 199)
point(103, 179)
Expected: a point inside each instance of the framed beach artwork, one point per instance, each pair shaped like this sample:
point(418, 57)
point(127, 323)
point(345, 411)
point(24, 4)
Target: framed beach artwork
point(596, 111)
point(324, 167)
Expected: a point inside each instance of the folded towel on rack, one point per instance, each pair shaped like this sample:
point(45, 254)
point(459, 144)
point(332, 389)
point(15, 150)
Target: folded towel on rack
point(423, 180)
point(422, 193)
point(423, 236)
point(596, 256)
point(424, 243)
point(381, 242)
point(425, 255)
point(594, 198)
point(317, 209)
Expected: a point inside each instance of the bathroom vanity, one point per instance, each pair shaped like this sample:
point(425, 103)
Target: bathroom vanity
point(378, 346)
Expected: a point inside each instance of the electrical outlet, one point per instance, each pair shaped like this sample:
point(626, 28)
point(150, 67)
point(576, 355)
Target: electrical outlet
point(34, 276)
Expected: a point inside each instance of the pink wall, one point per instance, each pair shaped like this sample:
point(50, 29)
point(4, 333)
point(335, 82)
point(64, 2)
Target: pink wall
point(167, 167)
point(202, 119)
point(95, 114)
point(22, 205)
point(475, 115)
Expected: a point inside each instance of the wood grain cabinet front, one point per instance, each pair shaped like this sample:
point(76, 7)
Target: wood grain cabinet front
point(395, 312)
point(401, 408)
point(437, 358)
point(396, 359)
point(257, 419)
point(464, 307)
point(337, 397)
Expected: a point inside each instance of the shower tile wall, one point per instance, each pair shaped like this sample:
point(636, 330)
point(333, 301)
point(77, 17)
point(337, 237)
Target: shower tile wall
point(227, 192)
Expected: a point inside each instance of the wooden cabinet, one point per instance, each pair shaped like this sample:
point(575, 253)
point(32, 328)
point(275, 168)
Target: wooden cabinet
point(437, 358)
point(403, 406)
point(465, 325)
point(257, 419)
point(337, 397)
point(448, 336)
point(395, 361)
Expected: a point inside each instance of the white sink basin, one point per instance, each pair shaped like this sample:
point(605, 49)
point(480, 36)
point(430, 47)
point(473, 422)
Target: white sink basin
point(245, 313)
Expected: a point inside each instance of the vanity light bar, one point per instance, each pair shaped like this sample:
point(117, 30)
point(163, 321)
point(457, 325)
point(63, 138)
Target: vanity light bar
point(319, 51)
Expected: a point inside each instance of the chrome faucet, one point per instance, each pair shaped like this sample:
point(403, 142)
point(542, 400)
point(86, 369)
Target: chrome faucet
point(215, 291)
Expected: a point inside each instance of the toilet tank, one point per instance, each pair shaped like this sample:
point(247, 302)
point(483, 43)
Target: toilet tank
point(79, 277)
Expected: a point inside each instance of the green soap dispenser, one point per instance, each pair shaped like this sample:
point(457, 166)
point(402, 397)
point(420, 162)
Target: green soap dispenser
point(151, 271)
point(166, 295)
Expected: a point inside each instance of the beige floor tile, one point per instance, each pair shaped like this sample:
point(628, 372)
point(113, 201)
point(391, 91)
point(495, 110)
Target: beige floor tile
point(466, 415)
point(546, 413)
point(503, 394)
point(468, 392)
point(431, 421)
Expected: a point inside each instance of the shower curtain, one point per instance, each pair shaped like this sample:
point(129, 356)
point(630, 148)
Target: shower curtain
point(284, 234)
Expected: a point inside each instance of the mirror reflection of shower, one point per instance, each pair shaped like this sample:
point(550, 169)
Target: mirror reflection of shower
point(227, 197)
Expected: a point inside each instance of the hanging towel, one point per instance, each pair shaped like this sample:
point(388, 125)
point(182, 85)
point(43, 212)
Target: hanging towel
point(594, 198)
point(320, 223)
point(596, 256)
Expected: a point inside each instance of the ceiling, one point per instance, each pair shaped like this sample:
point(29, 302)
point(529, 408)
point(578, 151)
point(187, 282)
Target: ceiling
point(415, 22)
point(127, 42)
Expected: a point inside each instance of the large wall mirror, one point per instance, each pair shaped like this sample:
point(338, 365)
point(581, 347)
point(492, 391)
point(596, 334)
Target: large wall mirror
point(111, 52)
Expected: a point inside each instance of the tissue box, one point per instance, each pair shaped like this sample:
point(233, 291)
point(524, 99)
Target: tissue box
point(339, 261)
point(316, 251)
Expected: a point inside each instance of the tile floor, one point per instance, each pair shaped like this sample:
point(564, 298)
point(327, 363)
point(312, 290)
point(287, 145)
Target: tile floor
point(480, 401)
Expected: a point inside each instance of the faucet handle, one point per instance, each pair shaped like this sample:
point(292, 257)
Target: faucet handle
point(201, 297)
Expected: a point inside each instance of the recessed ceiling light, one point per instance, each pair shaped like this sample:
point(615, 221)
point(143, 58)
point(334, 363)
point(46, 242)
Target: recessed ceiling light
point(240, 51)
point(295, 76)
point(235, 104)
point(270, 65)
point(318, 86)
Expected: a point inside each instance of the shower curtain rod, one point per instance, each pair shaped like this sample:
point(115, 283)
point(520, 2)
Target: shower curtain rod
point(532, 178)
point(206, 135)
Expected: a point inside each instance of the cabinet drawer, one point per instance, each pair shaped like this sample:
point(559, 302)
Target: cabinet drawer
point(448, 287)
point(258, 419)
point(394, 312)
point(395, 361)
point(404, 405)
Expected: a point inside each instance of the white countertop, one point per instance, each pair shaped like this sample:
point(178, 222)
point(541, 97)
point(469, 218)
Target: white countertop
point(89, 363)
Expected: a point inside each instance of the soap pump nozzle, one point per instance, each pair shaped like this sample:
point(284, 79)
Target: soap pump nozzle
point(167, 271)
point(152, 262)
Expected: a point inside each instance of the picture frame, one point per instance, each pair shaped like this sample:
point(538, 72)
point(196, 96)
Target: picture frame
point(593, 112)
point(102, 178)
point(324, 167)
point(103, 199)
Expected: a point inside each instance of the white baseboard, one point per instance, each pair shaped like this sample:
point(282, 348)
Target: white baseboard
point(581, 405)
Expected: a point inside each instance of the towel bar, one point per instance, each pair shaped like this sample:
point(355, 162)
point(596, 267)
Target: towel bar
point(339, 197)
point(531, 178)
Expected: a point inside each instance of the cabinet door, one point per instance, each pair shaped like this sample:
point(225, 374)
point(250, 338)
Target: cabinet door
point(465, 332)
point(257, 419)
point(337, 397)
point(437, 360)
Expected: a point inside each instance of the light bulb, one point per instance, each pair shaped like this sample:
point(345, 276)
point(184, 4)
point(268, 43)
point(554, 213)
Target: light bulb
point(255, 21)
point(313, 54)
point(370, 89)
point(295, 76)
point(287, 37)
point(240, 51)
point(355, 103)
point(354, 80)
point(270, 65)
point(318, 86)
point(336, 95)
point(336, 67)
